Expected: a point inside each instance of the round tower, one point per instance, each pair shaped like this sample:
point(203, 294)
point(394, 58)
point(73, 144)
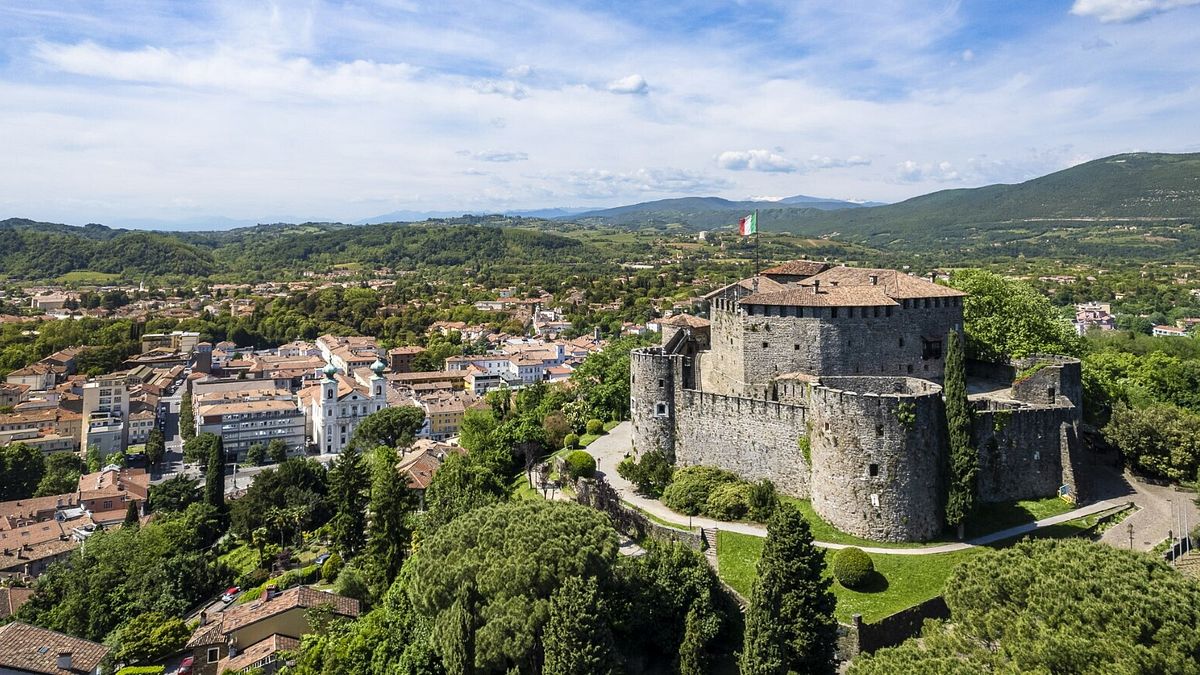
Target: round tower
point(877, 450)
point(652, 400)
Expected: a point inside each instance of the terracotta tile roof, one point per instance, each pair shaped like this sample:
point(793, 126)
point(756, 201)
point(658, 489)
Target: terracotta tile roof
point(686, 320)
point(765, 285)
point(798, 268)
point(895, 284)
point(809, 296)
point(11, 600)
point(420, 471)
point(257, 651)
point(26, 648)
point(34, 508)
point(134, 483)
point(240, 616)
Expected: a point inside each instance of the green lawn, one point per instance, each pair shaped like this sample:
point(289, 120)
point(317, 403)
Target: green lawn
point(610, 425)
point(586, 439)
point(907, 579)
point(823, 531)
point(989, 518)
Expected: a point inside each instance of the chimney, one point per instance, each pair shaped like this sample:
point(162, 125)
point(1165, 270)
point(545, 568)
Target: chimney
point(933, 277)
point(203, 618)
point(816, 286)
point(874, 279)
point(269, 592)
point(64, 661)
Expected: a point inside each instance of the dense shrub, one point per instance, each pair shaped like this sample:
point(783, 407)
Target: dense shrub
point(331, 568)
point(595, 427)
point(763, 500)
point(691, 486)
point(571, 440)
point(579, 464)
point(852, 567)
point(728, 501)
point(650, 475)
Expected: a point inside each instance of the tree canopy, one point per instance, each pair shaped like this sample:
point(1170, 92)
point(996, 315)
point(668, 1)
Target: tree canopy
point(1057, 606)
point(389, 427)
point(1006, 319)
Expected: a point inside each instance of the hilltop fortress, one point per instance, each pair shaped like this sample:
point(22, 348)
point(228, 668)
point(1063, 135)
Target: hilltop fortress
point(826, 380)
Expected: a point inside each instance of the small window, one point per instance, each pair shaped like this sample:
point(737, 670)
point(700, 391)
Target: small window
point(660, 409)
point(765, 345)
point(910, 369)
point(796, 347)
point(214, 654)
point(873, 470)
point(878, 432)
point(901, 342)
point(661, 383)
point(833, 313)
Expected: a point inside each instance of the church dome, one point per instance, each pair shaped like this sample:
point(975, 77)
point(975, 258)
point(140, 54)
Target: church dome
point(378, 367)
point(330, 370)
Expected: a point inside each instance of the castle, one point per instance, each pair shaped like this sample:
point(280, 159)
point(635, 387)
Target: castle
point(826, 380)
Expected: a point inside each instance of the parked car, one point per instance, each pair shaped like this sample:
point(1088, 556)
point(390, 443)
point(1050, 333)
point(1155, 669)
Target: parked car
point(230, 594)
point(185, 667)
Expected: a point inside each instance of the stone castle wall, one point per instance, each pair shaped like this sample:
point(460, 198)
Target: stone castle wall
point(877, 448)
point(1022, 450)
point(755, 439)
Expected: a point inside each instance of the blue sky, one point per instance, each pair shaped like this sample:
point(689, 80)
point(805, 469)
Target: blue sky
point(111, 111)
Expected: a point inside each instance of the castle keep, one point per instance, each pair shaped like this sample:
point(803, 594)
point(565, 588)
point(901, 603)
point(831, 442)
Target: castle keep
point(826, 380)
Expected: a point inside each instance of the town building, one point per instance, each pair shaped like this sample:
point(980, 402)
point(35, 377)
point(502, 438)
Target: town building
point(337, 404)
point(401, 358)
point(245, 417)
point(252, 635)
point(32, 650)
point(1168, 331)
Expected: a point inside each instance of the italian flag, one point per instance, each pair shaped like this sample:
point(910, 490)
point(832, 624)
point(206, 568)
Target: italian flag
point(748, 225)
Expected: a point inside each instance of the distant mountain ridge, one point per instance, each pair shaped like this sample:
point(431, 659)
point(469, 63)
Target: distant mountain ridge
point(705, 212)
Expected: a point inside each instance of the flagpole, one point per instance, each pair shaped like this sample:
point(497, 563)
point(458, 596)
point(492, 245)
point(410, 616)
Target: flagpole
point(756, 242)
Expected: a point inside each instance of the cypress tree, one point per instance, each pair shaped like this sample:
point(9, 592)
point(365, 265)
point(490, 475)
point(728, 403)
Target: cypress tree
point(349, 482)
point(577, 638)
point(790, 625)
point(388, 534)
point(964, 458)
point(214, 478)
point(131, 513)
point(187, 418)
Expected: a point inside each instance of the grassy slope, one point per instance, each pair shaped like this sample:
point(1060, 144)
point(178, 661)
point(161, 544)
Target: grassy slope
point(910, 579)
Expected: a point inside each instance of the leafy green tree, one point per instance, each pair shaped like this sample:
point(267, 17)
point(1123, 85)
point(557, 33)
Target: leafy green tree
point(174, 494)
point(556, 428)
point(156, 447)
point(1006, 319)
point(187, 417)
point(391, 504)
point(476, 431)
point(790, 624)
point(352, 583)
point(94, 461)
point(146, 638)
point(603, 378)
point(390, 427)
point(1160, 440)
point(256, 454)
point(485, 580)
point(295, 488)
point(349, 488)
point(277, 450)
point(461, 484)
point(964, 458)
point(650, 475)
point(131, 513)
point(62, 474)
point(21, 470)
point(578, 638)
point(214, 476)
point(1056, 606)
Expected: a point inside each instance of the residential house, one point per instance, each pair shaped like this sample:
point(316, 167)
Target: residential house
point(1168, 331)
point(32, 650)
point(251, 635)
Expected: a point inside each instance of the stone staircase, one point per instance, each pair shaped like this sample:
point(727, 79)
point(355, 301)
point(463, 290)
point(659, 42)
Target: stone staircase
point(710, 538)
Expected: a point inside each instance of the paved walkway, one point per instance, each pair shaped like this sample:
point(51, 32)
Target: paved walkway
point(610, 449)
point(1162, 512)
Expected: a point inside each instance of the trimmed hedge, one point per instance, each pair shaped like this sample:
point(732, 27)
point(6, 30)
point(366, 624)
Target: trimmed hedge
point(142, 670)
point(691, 486)
point(331, 568)
point(852, 567)
point(595, 427)
point(580, 464)
point(571, 441)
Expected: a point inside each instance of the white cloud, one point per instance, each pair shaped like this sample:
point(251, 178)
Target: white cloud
point(633, 84)
point(1118, 11)
point(754, 160)
point(968, 55)
point(506, 88)
point(910, 171)
point(519, 72)
point(495, 156)
point(603, 183)
point(821, 162)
